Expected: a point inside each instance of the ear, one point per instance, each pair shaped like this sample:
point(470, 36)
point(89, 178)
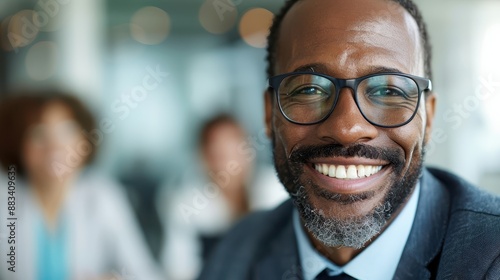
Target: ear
point(268, 107)
point(430, 109)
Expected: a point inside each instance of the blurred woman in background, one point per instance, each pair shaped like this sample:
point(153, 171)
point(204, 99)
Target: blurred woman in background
point(72, 224)
point(214, 194)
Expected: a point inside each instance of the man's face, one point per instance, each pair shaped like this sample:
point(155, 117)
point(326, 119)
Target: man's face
point(348, 39)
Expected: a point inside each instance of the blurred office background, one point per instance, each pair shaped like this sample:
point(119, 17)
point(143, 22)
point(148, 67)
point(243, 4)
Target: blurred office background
point(204, 57)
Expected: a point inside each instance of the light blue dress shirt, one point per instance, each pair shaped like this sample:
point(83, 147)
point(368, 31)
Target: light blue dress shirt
point(378, 261)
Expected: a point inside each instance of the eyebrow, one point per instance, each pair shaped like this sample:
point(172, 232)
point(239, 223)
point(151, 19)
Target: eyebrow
point(314, 67)
point(383, 69)
point(321, 68)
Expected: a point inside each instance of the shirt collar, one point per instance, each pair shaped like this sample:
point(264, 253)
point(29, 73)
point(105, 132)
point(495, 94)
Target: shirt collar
point(377, 261)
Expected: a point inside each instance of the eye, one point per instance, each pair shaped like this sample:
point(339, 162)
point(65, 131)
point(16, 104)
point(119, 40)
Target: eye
point(308, 90)
point(385, 91)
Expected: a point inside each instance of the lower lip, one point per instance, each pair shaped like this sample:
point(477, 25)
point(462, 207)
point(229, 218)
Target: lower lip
point(349, 186)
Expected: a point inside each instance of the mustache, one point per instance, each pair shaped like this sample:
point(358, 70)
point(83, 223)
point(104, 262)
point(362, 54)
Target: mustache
point(307, 153)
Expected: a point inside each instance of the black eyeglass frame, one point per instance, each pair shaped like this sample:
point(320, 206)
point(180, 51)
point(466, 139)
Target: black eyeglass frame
point(423, 85)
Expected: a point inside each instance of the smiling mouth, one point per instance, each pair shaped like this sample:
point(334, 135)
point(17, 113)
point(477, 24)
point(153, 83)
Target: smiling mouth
point(347, 172)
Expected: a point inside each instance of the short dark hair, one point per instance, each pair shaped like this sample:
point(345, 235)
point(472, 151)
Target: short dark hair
point(213, 123)
point(21, 109)
point(408, 5)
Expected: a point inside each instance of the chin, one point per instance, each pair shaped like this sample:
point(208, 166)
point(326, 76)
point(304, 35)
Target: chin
point(345, 207)
point(336, 223)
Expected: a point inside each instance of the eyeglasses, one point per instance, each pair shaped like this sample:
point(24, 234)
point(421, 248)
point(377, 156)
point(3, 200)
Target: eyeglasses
point(384, 99)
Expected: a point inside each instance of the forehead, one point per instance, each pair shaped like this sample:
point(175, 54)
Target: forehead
point(223, 132)
point(56, 111)
point(349, 38)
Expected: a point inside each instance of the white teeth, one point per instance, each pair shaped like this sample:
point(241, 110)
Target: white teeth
point(317, 167)
point(331, 171)
point(376, 169)
point(368, 170)
point(347, 172)
point(361, 171)
point(325, 169)
point(340, 172)
point(352, 173)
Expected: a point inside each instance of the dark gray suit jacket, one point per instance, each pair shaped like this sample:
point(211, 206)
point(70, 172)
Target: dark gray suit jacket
point(455, 235)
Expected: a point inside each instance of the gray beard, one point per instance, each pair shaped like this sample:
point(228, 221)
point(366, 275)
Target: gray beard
point(352, 232)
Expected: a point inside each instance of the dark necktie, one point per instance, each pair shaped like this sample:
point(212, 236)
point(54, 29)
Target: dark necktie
point(324, 276)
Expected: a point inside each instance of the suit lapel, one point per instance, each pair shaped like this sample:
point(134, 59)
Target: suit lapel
point(283, 261)
point(427, 234)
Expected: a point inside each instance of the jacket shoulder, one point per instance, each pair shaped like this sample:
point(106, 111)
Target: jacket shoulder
point(472, 245)
point(465, 196)
point(243, 245)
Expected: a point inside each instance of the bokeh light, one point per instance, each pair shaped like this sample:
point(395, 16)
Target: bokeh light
point(42, 60)
point(150, 25)
point(254, 27)
point(218, 16)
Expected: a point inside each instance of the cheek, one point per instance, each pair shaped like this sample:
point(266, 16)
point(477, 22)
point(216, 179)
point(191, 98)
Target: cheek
point(289, 136)
point(78, 146)
point(410, 137)
point(32, 156)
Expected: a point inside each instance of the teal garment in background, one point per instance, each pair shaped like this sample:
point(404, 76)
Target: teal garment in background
point(52, 255)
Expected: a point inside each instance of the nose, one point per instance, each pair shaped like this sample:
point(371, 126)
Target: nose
point(346, 125)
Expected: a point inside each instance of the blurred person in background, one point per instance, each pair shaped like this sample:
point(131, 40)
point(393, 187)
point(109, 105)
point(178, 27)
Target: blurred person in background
point(72, 223)
point(206, 206)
